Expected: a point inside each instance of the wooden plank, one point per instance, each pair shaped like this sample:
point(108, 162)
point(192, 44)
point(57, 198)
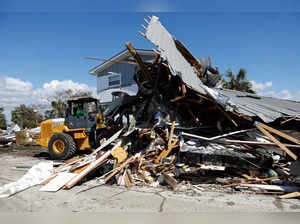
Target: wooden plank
point(280, 145)
point(118, 169)
point(48, 180)
point(250, 182)
point(107, 142)
point(171, 135)
point(58, 182)
point(166, 152)
point(92, 166)
point(81, 168)
point(68, 163)
point(290, 195)
point(281, 134)
point(144, 35)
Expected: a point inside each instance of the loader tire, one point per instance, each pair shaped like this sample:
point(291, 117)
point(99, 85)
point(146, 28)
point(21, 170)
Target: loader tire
point(61, 146)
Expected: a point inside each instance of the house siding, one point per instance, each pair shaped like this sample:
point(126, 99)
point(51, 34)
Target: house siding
point(125, 70)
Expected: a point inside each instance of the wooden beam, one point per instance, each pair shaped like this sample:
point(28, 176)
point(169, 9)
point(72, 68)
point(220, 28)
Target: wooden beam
point(281, 134)
point(146, 21)
point(290, 195)
point(139, 60)
point(171, 145)
point(118, 169)
point(278, 143)
point(92, 166)
point(171, 135)
point(144, 35)
point(250, 182)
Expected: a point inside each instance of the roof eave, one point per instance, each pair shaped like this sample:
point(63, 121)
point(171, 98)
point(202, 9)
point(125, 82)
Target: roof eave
point(108, 63)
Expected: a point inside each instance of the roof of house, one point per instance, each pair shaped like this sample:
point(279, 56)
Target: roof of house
point(267, 108)
point(123, 55)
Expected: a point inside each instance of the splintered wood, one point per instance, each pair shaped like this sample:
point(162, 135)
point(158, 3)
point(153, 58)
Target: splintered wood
point(262, 127)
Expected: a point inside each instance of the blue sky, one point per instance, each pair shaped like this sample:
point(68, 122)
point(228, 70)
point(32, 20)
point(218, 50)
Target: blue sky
point(42, 41)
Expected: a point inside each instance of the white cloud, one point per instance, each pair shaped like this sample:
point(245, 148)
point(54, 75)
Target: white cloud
point(14, 92)
point(264, 89)
point(284, 94)
point(48, 89)
point(258, 86)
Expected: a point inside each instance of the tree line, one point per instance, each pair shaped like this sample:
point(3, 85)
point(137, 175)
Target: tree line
point(30, 116)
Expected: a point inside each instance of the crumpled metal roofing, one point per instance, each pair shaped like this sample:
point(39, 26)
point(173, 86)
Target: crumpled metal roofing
point(178, 65)
point(267, 108)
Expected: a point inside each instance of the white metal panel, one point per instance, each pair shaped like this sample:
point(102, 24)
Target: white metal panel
point(178, 65)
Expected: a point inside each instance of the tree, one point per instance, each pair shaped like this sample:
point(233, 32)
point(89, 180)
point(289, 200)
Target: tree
point(3, 124)
point(238, 82)
point(59, 100)
point(25, 117)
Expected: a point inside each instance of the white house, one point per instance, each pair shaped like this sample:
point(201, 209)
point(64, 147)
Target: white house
point(115, 75)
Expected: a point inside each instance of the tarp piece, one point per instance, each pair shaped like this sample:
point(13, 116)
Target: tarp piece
point(178, 65)
point(35, 175)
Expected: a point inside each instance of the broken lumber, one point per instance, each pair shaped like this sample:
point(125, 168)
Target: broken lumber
point(290, 195)
point(281, 134)
point(118, 169)
point(91, 167)
point(139, 60)
point(280, 145)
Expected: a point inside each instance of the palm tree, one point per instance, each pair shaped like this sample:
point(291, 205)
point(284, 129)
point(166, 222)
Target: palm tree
point(238, 82)
point(59, 108)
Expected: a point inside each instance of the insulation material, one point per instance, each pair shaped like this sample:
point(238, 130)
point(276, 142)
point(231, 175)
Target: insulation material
point(35, 175)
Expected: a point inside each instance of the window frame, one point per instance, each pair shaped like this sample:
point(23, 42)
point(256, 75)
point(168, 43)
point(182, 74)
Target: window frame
point(111, 76)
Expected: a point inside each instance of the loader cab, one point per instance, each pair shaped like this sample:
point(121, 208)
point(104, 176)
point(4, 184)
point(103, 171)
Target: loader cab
point(81, 113)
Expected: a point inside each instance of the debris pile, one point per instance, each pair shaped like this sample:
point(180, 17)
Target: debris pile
point(18, 136)
point(183, 130)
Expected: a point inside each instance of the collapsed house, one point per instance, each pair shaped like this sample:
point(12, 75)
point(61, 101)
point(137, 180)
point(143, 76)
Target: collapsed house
point(183, 127)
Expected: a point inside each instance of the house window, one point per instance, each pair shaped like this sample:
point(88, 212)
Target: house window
point(114, 80)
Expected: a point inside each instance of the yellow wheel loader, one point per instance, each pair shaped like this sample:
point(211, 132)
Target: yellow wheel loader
point(79, 130)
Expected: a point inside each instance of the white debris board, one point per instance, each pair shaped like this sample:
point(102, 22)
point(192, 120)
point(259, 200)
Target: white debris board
point(58, 182)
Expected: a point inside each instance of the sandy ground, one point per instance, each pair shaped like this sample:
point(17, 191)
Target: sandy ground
point(92, 196)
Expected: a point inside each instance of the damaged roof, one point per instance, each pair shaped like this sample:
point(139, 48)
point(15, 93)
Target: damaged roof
point(267, 108)
point(178, 65)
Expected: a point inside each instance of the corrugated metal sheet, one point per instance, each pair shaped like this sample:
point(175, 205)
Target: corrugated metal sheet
point(267, 108)
point(178, 65)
